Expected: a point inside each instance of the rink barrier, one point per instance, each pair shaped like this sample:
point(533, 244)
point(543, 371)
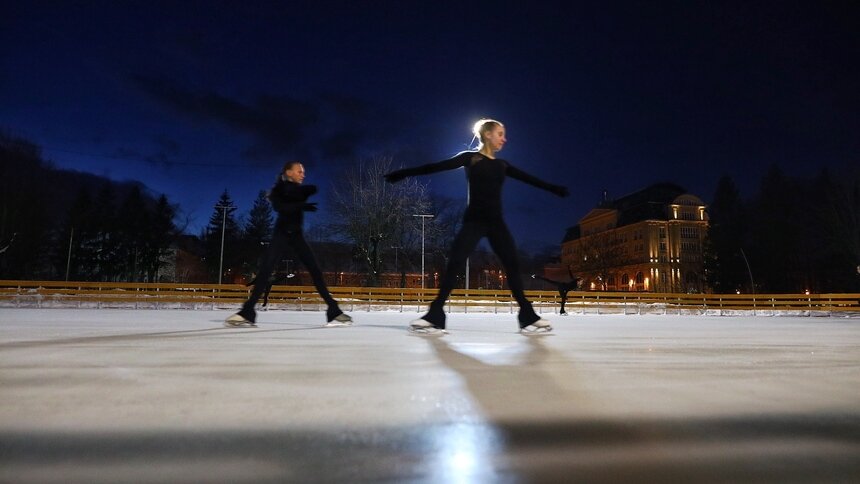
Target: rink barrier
point(227, 296)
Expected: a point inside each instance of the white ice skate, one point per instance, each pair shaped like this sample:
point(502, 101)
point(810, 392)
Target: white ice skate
point(340, 321)
point(239, 321)
point(541, 326)
point(420, 326)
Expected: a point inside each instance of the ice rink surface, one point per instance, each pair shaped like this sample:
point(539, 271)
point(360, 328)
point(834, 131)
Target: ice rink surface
point(112, 395)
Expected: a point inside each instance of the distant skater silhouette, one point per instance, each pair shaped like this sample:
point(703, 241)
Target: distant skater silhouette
point(276, 279)
point(289, 198)
point(563, 288)
point(483, 218)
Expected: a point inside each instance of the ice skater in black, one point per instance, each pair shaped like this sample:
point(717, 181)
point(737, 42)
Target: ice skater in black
point(483, 218)
point(289, 198)
point(274, 279)
point(563, 288)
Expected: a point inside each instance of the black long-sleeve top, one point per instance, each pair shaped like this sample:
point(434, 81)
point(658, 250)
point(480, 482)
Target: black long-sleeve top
point(485, 177)
point(289, 199)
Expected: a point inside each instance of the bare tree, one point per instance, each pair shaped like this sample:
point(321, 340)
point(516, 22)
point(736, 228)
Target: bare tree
point(601, 253)
point(376, 216)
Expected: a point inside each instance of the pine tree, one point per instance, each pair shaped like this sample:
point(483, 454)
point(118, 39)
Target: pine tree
point(258, 230)
point(727, 235)
point(222, 218)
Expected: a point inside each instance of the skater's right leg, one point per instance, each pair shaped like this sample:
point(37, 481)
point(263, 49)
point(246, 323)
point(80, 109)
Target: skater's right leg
point(334, 315)
point(247, 313)
point(463, 245)
point(503, 245)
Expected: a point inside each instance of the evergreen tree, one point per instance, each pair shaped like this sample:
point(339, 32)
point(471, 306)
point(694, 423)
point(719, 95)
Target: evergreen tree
point(725, 268)
point(222, 218)
point(838, 217)
point(258, 231)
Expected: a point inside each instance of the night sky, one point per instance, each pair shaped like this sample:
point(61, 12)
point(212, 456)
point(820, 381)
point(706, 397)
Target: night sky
point(191, 98)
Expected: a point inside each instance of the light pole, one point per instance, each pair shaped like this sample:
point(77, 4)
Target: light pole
point(423, 218)
point(69, 257)
point(396, 266)
point(468, 201)
point(223, 209)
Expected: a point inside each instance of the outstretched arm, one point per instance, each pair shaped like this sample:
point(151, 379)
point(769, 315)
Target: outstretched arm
point(458, 161)
point(535, 276)
point(534, 181)
point(292, 199)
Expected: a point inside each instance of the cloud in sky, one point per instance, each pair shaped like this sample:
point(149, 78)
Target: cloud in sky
point(331, 127)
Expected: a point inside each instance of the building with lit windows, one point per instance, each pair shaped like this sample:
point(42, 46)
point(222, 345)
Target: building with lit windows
point(650, 240)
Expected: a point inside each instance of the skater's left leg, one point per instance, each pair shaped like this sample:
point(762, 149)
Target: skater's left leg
point(266, 295)
point(503, 245)
point(563, 295)
point(248, 315)
point(464, 243)
point(306, 255)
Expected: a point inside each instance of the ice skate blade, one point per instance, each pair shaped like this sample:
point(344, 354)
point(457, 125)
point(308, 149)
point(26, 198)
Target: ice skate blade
point(236, 321)
point(431, 331)
point(340, 321)
point(532, 330)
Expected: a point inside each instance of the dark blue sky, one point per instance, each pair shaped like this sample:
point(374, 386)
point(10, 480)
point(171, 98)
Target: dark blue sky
point(191, 98)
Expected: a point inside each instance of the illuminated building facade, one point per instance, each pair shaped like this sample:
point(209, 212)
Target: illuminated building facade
point(650, 240)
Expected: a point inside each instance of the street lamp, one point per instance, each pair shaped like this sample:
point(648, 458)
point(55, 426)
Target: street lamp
point(223, 209)
point(423, 218)
point(396, 266)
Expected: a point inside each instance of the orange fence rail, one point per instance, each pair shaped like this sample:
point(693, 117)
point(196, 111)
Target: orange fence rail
point(212, 296)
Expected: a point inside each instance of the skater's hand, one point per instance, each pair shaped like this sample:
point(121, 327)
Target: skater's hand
point(310, 207)
point(393, 177)
point(560, 191)
point(309, 190)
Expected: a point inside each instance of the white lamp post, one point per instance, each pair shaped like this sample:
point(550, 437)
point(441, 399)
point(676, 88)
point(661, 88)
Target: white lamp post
point(423, 218)
point(223, 209)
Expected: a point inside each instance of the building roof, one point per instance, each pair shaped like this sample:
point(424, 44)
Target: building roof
point(650, 203)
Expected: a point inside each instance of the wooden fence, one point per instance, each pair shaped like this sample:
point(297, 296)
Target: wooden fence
point(224, 296)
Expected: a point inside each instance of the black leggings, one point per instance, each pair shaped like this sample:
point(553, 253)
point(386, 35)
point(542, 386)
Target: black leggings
point(503, 245)
point(277, 248)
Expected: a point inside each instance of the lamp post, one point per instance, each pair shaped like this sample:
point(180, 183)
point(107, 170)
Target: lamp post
point(69, 257)
point(396, 266)
point(423, 218)
point(223, 209)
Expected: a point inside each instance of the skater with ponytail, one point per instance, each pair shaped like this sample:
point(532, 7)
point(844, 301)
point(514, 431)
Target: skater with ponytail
point(483, 218)
point(289, 199)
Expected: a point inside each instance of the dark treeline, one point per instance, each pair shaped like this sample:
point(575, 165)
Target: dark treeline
point(57, 224)
point(60, 224)
point(794, 235)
